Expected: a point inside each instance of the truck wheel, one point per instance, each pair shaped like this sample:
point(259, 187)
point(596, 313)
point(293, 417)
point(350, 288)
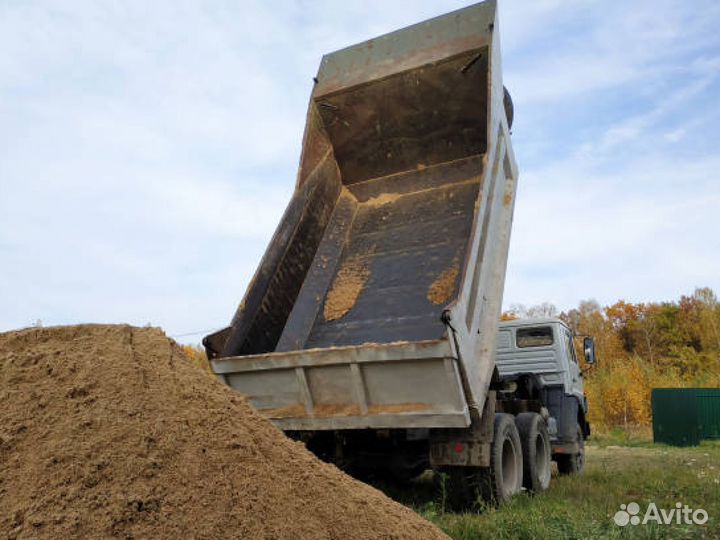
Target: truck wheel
point(573, 463)
point(509, 108)
point(536, 451)
point(504, 478)
point(461, 487)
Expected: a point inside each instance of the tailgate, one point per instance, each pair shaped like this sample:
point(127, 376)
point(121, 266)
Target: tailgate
point(395, 385)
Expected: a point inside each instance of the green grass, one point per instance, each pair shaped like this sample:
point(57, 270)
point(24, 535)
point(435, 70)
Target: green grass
point(636, 437)
point(583, 506)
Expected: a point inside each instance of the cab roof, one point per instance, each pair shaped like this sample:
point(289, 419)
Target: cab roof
point(535, 321)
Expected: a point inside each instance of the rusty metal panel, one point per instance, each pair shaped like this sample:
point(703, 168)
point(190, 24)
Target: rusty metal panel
point(312, 293)
point(420, 44)
point(459, 453)
point(465, 447)
point(474, 315)
point(261, 316)
point(409, 248)
point(433, 114)
point(396, 385)
point(398, 231)
point(370, 352)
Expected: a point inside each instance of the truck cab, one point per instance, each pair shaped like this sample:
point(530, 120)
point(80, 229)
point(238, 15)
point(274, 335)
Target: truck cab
point(536, 359)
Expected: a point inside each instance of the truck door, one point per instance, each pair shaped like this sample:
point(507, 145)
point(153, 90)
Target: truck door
point(574, 374)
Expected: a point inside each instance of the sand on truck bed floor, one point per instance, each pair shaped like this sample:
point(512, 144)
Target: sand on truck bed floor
point(442, 288)
point(109, 431)
point(347, 286)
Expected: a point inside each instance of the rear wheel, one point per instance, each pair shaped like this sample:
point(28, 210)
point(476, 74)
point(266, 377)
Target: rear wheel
point(535, 450)
point(573, 463)
point(503, 479)
point(463, 487)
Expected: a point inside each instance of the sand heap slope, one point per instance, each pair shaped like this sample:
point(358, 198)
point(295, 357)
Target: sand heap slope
point(108, 431)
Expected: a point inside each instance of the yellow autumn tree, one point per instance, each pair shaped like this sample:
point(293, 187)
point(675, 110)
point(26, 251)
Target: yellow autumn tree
point(644, 346)
point(196, 355)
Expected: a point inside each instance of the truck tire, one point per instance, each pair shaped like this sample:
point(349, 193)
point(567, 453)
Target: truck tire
point(462, 487)
point(503, 479)
point(536, 451)
point(573, 463)
point(509, 107)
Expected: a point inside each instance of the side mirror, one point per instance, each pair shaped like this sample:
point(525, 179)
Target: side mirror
point(589, 348)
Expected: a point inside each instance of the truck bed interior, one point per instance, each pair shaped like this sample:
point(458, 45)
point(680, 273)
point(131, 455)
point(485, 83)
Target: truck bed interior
point(397, 231)
point(373, 243)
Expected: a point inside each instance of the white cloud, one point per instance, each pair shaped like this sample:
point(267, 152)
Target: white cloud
point(639, 234)
point(574, 48)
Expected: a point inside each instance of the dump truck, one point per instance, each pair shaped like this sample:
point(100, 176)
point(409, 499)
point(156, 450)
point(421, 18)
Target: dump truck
point(369, 328)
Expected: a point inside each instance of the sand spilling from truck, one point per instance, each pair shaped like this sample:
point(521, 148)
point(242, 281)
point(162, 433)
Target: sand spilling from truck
point(347, 286)
point(442, 288)
point(109, 431)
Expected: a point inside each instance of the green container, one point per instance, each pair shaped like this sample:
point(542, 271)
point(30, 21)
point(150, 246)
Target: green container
point(708, 402)
point(685, 416)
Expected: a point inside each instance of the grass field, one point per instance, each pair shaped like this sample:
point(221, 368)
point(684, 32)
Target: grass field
point(584, 506)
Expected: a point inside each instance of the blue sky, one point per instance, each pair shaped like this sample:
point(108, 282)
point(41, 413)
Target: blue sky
point(148, 149)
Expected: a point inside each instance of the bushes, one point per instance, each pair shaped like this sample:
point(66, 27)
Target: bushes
point(197, 356)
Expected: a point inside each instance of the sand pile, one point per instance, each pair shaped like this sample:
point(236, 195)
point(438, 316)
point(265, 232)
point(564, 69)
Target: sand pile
point(108, 431)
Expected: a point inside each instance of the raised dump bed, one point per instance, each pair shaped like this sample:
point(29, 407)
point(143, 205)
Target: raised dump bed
point(376, 303)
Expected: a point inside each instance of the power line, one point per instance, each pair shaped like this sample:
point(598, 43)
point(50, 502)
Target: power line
point(207, 331)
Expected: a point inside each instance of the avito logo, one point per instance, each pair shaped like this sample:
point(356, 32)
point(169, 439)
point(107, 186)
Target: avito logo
point(629, 514)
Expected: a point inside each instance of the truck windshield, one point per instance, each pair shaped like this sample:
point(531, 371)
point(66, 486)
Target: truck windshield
point(534, 337)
